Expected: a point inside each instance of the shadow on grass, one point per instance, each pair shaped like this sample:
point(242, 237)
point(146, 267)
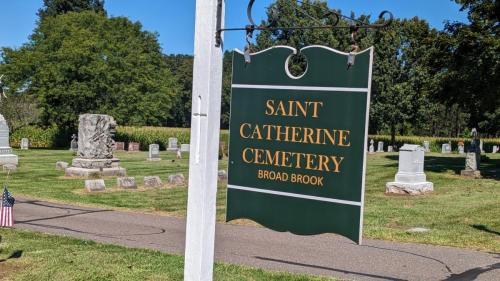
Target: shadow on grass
point(490, 168)
point(485, 229)
point(15, 255)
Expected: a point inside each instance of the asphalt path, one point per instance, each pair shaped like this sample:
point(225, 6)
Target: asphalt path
point(327, 254)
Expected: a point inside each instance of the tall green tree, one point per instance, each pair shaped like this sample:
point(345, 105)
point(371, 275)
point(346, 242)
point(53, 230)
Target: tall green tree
point(52, 8)
point(182, 68)
point(86, 62)
point(473, 68)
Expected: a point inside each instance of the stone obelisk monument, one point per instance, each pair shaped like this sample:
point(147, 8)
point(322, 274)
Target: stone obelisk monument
point(6, 155)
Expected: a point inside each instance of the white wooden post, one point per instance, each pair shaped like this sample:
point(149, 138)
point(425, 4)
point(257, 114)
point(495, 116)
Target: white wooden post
point(203, 158)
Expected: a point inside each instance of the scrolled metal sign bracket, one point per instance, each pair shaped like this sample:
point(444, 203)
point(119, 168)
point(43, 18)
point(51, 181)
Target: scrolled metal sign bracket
point(251, 27)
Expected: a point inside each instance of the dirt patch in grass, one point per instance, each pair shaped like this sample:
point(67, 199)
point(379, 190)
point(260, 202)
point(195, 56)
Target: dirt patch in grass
point(9, 268)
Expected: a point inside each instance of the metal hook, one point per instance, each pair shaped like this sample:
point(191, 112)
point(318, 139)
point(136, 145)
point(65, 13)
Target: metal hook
point(354, 45)
point(249, 35)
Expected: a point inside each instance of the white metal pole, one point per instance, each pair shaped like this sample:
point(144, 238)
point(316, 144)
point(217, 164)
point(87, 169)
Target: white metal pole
point(203, 158)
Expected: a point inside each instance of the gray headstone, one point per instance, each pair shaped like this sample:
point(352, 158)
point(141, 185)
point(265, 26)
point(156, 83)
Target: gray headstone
point(126, 183)
point(177, 179)
point(446, 148)
point(95, 185)
point(473, 157)
point(426, 146)
point(74, 143)
point(390, 148)
point(380, 146)
point(222, 174)
point(61, 165)
point(185, 147)
point(152, 181)
point(371, 150)
point(6, 155)
point(172, 144)
point(95, 136)
point(25, 143)
point(410, 178)
point(154, 152)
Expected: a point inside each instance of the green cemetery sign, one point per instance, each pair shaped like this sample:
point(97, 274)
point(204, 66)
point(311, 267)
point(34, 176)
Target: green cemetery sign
point(297, 149)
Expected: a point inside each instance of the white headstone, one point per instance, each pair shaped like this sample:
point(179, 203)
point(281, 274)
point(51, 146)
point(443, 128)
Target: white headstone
point(461, 149)
point(410, 178)
point(481, 146)
point(495, 149)
point(205, 127)
point(185, 147)
point(372, 148)
point(445, 148)
point(380, 146)
point(390, 148)
point(154, 152)
point(172, 144)
point(25, 143)
point(427, 146)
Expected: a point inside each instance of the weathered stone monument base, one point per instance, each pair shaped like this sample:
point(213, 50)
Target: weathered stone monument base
point(81, 167)
point(10, 159)
point(409, 188)
point(87, 173)
point(95, 163)
point(471, 173)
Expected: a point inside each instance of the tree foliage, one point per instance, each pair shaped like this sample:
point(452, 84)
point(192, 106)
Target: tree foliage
point(88, 63)
point(52, 8)
point(473, 65)
point(182, 68)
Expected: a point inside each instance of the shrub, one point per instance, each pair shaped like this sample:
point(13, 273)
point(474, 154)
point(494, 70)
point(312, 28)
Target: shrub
point(38, 137)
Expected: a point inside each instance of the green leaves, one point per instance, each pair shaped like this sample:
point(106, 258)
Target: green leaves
point(87, 63)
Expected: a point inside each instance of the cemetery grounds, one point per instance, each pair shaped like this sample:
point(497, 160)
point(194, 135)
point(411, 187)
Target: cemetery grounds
point(461, 212)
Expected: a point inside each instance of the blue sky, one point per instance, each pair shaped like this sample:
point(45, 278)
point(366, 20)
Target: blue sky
point(174, 20)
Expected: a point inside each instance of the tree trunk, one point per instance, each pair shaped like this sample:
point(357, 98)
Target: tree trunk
point(393, 135)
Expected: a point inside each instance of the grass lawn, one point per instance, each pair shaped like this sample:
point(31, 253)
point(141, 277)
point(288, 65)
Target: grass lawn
point(32, 256)
point(462, 212)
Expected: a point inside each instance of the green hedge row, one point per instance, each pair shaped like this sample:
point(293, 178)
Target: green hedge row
point(160, 135)
point(435, 143)
point(51, 138)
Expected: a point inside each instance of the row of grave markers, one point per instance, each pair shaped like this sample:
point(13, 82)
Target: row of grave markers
point(445, 148)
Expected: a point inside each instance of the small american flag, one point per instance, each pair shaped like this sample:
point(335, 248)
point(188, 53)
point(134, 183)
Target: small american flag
point(6, 208)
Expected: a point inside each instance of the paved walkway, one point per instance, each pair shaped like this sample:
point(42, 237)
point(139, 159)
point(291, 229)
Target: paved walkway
point(328, 255)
